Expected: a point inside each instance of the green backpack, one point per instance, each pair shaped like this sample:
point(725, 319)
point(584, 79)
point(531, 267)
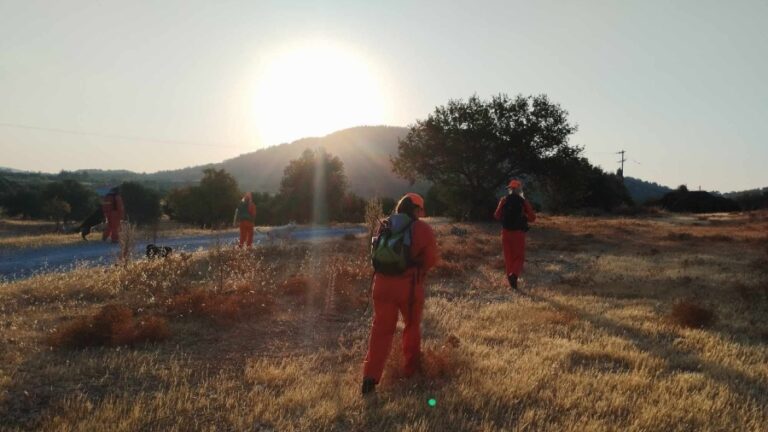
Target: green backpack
point(242, 212)
point(391, 248)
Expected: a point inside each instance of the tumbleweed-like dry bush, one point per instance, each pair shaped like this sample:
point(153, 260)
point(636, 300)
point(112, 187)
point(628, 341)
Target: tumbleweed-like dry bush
point(113, 325)
point(633, 323)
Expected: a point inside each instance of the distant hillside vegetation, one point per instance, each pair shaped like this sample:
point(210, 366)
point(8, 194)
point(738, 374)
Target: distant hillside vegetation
point(752, 199)
point(683, 200)
point(365, 152)
point(642, 191)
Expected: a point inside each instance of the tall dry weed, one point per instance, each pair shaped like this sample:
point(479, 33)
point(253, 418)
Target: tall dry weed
point(127, 242)
point(374, 214)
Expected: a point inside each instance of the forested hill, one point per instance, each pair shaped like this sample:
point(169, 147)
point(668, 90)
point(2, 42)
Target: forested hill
point(364, 150)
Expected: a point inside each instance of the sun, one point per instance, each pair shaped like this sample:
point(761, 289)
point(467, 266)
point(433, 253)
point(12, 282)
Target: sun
point(312, 89)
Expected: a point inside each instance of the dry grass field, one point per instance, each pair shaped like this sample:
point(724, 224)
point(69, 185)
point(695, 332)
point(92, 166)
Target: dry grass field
point(15, 234)
point(636, 324)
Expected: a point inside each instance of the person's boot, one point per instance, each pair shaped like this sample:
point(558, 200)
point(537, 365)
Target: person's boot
point(512, 279)
point(369, 385)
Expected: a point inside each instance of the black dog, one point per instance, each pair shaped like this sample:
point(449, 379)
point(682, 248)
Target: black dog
point(91, 221)
point(158, 251)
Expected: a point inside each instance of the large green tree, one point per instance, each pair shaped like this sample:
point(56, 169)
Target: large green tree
point(471, 148)
point(142, 204)
point(575, 183)
point(210, 204)
point(26, 202)
point(82, 201)
point(313, 187)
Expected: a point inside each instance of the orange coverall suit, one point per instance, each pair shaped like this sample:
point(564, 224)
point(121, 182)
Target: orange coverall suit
point(513, 241)
point(112, 207)
point(246, 216)
point(403, 293)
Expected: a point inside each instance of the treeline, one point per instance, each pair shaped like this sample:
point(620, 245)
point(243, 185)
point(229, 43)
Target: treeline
point(69, 200)
point(467, 150)
point(754, 199)
point(314, 189)
point(683, 200)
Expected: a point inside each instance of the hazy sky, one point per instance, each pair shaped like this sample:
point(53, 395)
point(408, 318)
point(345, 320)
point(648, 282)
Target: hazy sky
point(680, 85)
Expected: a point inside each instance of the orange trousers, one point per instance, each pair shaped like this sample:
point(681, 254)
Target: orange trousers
point(246, 233)
point(513, 243)
point(392, 294)
point(113, 228)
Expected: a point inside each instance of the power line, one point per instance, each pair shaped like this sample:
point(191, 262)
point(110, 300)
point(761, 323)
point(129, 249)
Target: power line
point(115, 136)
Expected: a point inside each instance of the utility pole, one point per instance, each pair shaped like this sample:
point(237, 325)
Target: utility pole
point(621, 170)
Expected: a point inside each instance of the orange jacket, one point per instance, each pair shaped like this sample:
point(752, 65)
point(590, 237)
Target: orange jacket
point(527, 208)
point(112, 207)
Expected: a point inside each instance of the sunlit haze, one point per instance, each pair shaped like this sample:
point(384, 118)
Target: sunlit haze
point(314, 88)
point(150, 86)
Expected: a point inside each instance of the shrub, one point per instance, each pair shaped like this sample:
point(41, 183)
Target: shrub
point(689, 314)
point(296, 286)
point(440, 362)
point(113, 325)
point(220, 308)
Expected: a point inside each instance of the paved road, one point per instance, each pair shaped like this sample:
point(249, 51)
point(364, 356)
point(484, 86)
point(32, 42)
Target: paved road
point(21, 263)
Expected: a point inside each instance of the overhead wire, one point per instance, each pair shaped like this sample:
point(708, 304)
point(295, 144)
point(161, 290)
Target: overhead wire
point(117, 136)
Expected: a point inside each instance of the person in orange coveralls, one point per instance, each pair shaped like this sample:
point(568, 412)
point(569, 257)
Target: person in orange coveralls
point(246, 216)
point(403, 293)
point(514, 212)
point(114, 212)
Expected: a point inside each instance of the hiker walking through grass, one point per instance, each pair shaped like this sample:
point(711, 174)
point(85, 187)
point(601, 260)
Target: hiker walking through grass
point(245, 215)
point(114, 212)
point(403, 251)
point(514, 212)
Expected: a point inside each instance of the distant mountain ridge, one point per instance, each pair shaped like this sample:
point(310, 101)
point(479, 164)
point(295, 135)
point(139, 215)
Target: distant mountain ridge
point(365, 152)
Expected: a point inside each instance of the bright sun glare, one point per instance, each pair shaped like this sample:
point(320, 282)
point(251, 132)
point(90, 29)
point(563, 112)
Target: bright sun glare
point(313, 89)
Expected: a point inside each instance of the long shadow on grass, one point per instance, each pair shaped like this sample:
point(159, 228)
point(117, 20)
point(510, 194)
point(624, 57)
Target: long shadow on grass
point(744, 385)
point(45, 380)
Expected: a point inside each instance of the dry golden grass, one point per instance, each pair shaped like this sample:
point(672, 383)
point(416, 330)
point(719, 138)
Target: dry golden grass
point(592, 345)
point(16, 234)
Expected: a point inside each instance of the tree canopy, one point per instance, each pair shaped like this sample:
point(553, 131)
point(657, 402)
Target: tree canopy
point(210, 204)
point(142, 204)
point(471, 148)
point(313, 187)
point(82, 201)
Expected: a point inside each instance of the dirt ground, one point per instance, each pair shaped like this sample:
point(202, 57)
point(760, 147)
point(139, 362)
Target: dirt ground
point(653, 323)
